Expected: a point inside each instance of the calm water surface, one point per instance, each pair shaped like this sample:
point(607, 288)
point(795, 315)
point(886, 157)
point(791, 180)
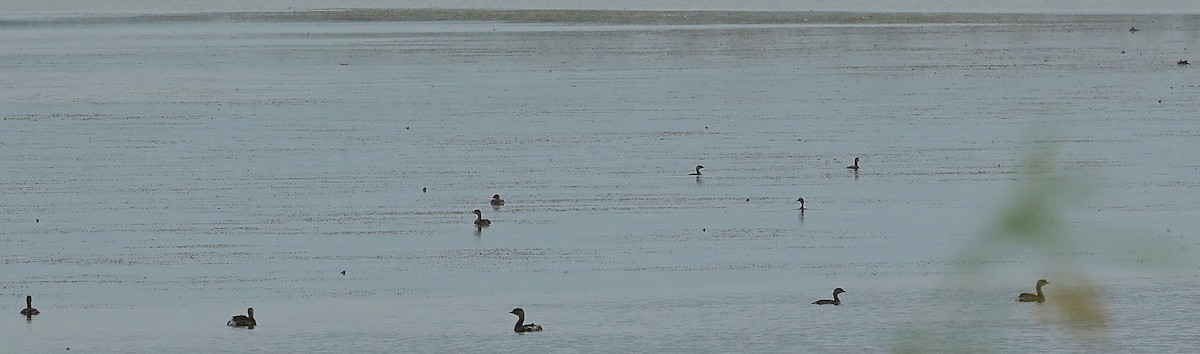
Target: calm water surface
point(161, 175)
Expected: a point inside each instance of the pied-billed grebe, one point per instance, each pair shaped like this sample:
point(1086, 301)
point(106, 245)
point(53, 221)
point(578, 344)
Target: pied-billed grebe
point(855, 165)
point(1133, 29)
point(29, 310)
point(801, 200)
point(835, 300)
point(496, 200)
point(521, 327)
point(1039, 297)
point(697, 173)
point(479, 220)
point(243, 320)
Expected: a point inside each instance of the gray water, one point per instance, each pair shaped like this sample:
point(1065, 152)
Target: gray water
point(21, 8)
point(164, 173)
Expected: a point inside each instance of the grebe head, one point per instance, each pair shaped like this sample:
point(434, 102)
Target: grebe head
point(801, 200)
point(250, 312)
point(477, 212)
point(1042, 282)
point(28, 300)
point(518, 311)
point(838, 291)
point(496, 196)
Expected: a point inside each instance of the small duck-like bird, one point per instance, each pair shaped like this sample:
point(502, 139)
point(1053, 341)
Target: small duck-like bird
point(479, 220)
point(835, 300)
point(1182, 62)
point(243, 320)
point(29, 310)
point(521, 327)
point(496, 201)
point(697, 173)
point(855, 165)
point(1039, 297)
point(801, 200)
point(1133, 29)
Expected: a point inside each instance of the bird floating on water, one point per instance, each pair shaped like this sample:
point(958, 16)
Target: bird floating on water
point(496, 201)
point(29, 311)
point(479, 220)
point(1133, 29)
point(1039, 297)
point(697, 173)
point(836, 301)
point(801, 200)
point(246, 320)
point(521, 327)
point(855, 165)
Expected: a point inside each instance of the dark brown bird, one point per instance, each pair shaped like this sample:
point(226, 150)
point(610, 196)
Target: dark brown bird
point(1039, 297)
point(835, 300)
point(29, 310)
point(243, 320)
point(479, 220)
point(521, 327)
